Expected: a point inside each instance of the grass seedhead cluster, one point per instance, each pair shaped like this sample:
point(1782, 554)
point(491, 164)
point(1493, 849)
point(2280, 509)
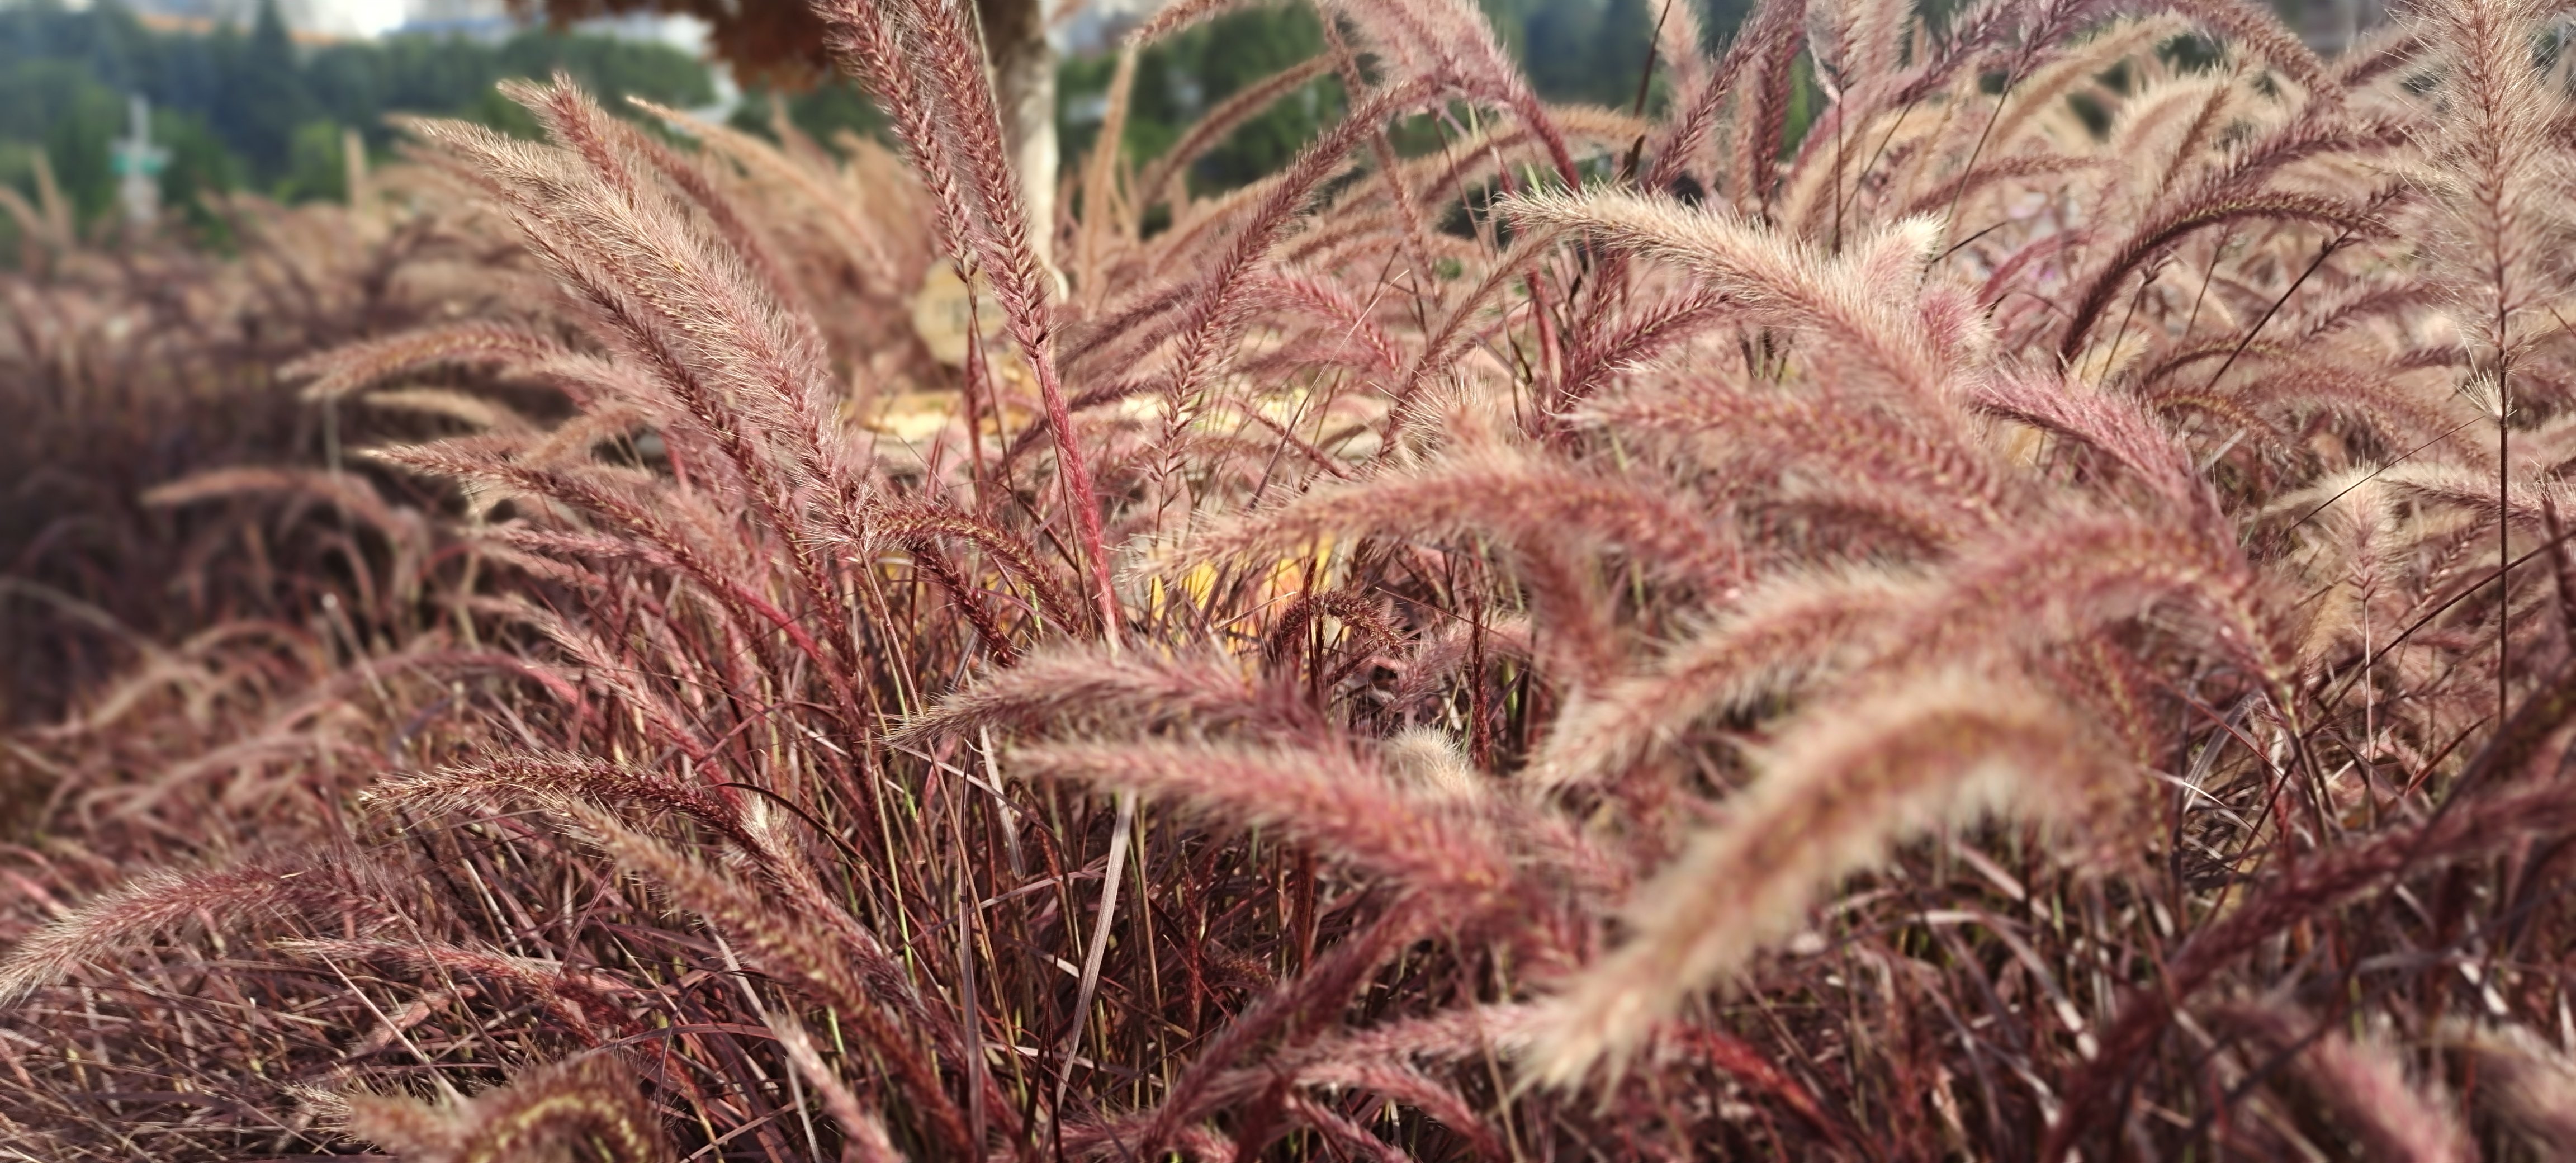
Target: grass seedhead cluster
point(2000, 592)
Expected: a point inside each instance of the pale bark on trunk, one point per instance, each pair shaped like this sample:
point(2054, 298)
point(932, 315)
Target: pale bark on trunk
point(1015, 38)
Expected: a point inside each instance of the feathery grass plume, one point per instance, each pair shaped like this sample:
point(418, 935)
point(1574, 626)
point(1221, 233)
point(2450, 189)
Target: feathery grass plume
point(1301, 291)
point(477, 412)
point(163, 900)
point(1455, 1034)
point(2470, 489)
point(684, 308)
point(789, 946)
point(1084, 688)
point(1840, 789)
point(1788, 628)
point(685, 175)
point(2065, 580)
point(2114, 426)
point(1209, 326)
point(1917, 465)
point(874, 43)
point(2046, 27)
point(586, 1108)
point(1362, 620)
point(1111, 216)
point(841, 218)
point(1603, 353)
point(2364, 1082)
point(562, 778)
point(1410, 1087)
point(2494, 168)
point(2494, 171)
point(2195, 215)
point(1248, 102)
point(1772, 280)
point(1772, 24)
point(1499, 491)
point(585, 1001)
point(2028, 168)
point(1333, 1128)
point(346, 369)
point(1762, 120)
point(1452, 42)
point(1431, 761)
point(480, 462)
point(2398, 414)
point(943, 109)
point(1649, 523)
point(863, 1131)
point(768, 361)
point(917, 524)
point(2246, 26)
point(2529, 1084)
point(2041, 91)
point(1341, 803)
point(2170, 128)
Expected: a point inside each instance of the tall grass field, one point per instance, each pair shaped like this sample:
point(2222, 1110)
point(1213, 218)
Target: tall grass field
point(1972, 582)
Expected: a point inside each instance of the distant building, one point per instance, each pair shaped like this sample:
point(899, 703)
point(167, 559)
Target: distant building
point(492, 21)
point(308, 21)
point(481, 20)
point(298, 13)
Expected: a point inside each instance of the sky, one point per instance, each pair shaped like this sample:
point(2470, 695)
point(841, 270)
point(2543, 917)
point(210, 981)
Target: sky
point(375, 17)
point(359, 17)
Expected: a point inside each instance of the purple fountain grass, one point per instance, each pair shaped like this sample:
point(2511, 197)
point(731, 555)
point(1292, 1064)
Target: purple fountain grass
point(1505, 492)
point(2530, 1081)
point(1864, 664)
point(1338, 802)
point(1126, 692)
point(1850, 300)
point(156, 902)
point(591, 1102)
point(1830, 801)
point(2365, 1082)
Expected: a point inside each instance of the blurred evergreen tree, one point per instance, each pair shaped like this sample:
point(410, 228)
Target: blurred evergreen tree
point(260, 99)
point(317, 168)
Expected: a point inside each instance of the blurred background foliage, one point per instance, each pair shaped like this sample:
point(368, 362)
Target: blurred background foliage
point(253, 109)
point(258, 109)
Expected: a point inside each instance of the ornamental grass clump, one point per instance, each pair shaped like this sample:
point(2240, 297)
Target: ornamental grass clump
point(1997, 593)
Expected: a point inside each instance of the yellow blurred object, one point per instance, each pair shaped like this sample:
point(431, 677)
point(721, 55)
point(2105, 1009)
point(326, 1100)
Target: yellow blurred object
point(913, 415)
point(1286, 578)
point(944, 311)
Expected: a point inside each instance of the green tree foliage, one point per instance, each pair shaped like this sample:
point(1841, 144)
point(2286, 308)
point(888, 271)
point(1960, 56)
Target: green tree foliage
point(1183, 77)
point(249, 108)
point(822, 112)
point(1579, 50)
point(1573, 50)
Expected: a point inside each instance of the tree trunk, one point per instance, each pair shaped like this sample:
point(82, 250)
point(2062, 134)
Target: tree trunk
point(1015, 38)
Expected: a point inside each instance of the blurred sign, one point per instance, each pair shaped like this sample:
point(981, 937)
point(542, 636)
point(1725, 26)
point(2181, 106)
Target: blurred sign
point(138, 165)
